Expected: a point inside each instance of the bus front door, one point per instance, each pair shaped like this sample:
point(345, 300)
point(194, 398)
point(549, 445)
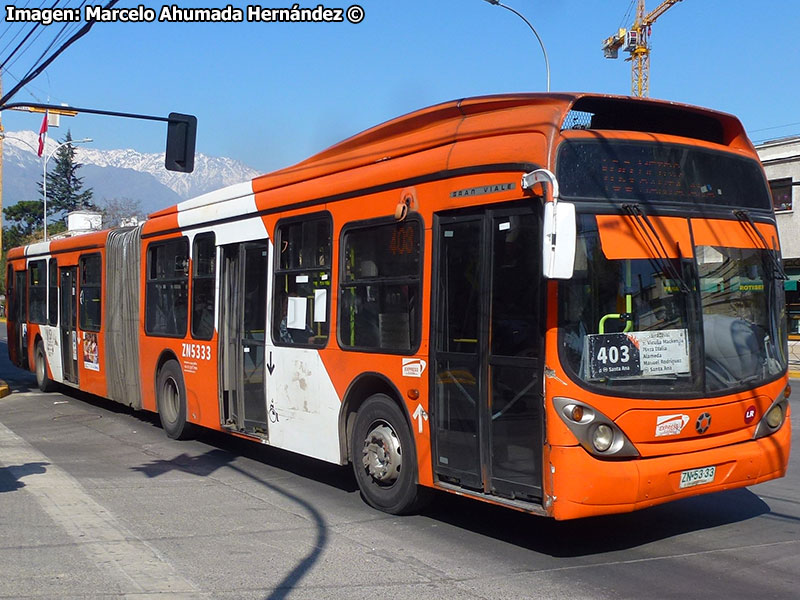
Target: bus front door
point(68, 313)
point(487, 348)
point(243, 319)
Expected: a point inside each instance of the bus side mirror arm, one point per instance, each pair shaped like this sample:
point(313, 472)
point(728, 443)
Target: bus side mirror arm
point(559, 227)
point(542, 176)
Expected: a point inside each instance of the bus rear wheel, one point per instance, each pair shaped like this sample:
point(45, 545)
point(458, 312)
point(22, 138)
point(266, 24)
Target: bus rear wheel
point(171, 399)
point(384, 459)
point(42, 378)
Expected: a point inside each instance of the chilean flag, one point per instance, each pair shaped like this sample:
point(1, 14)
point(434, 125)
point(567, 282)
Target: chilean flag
point(42, 134)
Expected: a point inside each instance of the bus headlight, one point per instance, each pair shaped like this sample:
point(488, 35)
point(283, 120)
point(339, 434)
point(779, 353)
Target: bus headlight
point(598, 434)
point(774, 417)
point(602, 437)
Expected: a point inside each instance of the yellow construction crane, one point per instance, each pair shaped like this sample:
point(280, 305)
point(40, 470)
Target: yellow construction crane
point(634, 41)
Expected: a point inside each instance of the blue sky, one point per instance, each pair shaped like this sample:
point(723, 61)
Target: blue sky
point(271, 94)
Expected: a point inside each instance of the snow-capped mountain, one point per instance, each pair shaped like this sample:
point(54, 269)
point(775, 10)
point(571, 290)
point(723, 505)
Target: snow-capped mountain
point(116, 174)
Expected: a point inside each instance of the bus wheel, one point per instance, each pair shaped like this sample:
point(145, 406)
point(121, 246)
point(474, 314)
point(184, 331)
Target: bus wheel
point(384, 459)
point(171, 398)
point(42, 379)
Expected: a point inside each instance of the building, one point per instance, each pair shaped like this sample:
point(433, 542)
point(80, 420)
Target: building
point(781, 160)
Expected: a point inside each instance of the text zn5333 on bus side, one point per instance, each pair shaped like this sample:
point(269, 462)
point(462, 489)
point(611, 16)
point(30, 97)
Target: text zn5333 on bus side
point(198, 351)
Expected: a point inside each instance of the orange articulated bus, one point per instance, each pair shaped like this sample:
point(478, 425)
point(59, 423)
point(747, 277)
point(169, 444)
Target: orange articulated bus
point(569, 304)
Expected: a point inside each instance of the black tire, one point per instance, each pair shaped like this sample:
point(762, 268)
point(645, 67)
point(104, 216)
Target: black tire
point(171, 398)
point(40, 366)
point(384, 457)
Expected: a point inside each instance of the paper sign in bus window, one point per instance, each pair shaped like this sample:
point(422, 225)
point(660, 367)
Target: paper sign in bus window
point(320, 306)
point(296, 313)
point(638, 354)
point(91, 356)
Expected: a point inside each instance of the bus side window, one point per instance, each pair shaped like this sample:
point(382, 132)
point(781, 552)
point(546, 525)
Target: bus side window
point(204, 255)
point(379, 306)
point(91, 280)
point(37, 294)
point(301, 304)
point(167, 288)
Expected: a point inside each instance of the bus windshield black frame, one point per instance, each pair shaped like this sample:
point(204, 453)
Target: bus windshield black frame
point(658, 172)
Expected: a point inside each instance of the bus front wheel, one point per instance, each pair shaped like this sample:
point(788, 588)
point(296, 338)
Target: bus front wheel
point(42, 378)
point(384, 460)
point(171, 398)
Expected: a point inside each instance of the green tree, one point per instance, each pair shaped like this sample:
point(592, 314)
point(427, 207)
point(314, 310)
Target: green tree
point(24, 218)
point(65, 191)
point(24, 224)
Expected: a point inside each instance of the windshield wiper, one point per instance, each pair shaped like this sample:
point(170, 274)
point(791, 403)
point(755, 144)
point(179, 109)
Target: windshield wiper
point(745, 218)
point(657, 246)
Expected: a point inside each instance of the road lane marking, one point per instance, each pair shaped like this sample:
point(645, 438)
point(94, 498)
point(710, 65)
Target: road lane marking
point(137, 566)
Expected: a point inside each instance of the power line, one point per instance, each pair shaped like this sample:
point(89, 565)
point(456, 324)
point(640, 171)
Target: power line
point(8, 28)
point(775, 127)
point(42, 63)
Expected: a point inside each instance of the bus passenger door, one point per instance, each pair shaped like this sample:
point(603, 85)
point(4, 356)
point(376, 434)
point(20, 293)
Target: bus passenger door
point(487, 346)
point(19, 312)
point(243, 320)
point(68, 313)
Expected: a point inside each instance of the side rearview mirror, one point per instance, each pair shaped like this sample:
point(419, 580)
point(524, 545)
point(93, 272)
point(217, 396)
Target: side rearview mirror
point(559, 230)
point(558, 240)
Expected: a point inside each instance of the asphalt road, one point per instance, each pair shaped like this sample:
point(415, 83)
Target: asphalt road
point(96, 502)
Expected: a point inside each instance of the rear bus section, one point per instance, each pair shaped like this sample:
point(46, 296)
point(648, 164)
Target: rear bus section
point(56, 324)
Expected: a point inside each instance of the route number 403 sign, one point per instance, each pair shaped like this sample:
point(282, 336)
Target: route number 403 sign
point(637, 353)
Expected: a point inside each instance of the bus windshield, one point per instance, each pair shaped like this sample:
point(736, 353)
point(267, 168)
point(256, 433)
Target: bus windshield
point(634, 326)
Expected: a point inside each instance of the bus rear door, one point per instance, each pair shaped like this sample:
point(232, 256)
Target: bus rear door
point(243, 320)
point(69, 322)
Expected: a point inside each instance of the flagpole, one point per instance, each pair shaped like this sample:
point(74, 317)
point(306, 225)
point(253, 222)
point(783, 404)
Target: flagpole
point(42, 142)
point(44, 192)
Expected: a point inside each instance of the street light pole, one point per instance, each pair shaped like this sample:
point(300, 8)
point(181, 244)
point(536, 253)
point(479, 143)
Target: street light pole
point(528, 23)
point(44, 175)
point(5, 136)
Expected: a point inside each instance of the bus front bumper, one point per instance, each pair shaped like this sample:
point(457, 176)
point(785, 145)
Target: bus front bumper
point(583, 485)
